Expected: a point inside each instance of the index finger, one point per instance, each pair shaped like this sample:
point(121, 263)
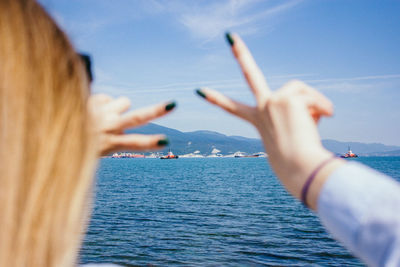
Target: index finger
point(142, 116)
point(251, 71)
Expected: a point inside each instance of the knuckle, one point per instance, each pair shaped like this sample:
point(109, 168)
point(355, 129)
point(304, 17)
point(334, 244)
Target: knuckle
point(98, 99)
point(286, 102)
point(274, 100)
point(114, 140)
point(125, 100)
point(110, 141)
point(294, 85)
point(137, 121)
point(102, 95)
point(295, 82)
point(230, 109)
point(292, 101)
point(281, 101)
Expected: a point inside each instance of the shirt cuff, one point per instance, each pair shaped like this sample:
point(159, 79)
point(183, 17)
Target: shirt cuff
point(361, 208)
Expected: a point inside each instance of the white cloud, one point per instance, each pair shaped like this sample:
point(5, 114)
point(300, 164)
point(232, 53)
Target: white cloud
point(208, 22)
point(238, 86)
point(204, 20)
point(359, 78)
point(356, 85)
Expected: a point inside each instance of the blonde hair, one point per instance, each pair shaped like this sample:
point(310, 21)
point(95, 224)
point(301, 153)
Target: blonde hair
point(47, 155)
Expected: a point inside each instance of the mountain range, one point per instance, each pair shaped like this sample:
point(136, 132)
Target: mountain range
point(206, 141)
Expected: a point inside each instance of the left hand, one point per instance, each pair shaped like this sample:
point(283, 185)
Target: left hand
point(111, 119)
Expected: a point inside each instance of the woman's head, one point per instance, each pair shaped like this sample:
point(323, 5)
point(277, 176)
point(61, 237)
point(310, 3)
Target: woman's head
point(46, 152)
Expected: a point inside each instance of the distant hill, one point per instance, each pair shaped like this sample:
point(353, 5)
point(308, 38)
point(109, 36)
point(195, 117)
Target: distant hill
point(356, 147)
point(203, 141)
point(394, 153)
point(206, 141)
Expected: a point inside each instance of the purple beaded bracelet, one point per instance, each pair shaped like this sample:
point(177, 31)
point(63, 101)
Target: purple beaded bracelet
point(311, 178)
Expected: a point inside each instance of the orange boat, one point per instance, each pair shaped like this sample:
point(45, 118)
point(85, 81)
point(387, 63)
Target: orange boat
point(170, 156)
point(349, 154)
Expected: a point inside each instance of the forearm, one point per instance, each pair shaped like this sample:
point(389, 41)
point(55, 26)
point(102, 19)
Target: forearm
point(295, 167)
point(319, 181)
point(359, 206)
point(295, 181)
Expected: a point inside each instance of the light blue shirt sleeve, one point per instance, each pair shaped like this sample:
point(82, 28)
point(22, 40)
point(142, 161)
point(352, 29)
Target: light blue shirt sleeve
point(360, 207)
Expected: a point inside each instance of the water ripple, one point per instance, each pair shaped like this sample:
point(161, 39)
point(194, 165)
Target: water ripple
point(208, 212)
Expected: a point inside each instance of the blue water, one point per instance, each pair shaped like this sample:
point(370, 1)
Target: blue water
point(206, 212)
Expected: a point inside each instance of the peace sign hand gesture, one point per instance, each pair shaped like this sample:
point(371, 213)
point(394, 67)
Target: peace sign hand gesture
point(111, 118)
point(286, 120)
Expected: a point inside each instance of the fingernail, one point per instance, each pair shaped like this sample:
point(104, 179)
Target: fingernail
point(163, 142)
point(229, 38)
point(170, 106)
point(201, 93)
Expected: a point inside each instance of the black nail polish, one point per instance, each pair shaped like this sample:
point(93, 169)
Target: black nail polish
point(201, 93)
point(229, 38)
point(170, 106)
point(163, 142)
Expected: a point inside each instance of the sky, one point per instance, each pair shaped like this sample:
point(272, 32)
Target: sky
point(159, 50)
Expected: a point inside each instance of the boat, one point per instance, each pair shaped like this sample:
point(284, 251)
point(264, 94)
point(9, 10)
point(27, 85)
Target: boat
point(215, 156)
point(152, 156)
point(191, 155)
point(238, 154)
point(349, 154)
point(242, 155)
point(125, 155)
point(170, 156)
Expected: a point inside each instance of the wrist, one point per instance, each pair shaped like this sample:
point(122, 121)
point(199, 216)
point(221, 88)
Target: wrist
point(310, 179)
point(319, 181)
point(306, 164)
point(294, 169)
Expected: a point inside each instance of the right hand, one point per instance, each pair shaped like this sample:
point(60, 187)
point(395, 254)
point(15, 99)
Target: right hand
point(286, 120)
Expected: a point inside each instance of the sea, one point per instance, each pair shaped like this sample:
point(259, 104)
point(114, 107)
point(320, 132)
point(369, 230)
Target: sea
point(207, 212)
